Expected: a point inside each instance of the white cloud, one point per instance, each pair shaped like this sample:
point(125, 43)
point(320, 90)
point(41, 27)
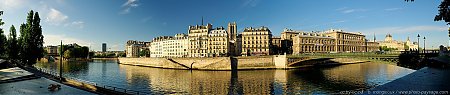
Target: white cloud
point(399, 30)
point(56, 40)
point(55, 17)
point(392, 9)
point(340, 9)
point(11, 4)
point(128, 5)
point(146, 19)
point(116, 47)
point(340, 21)
point(250, 3)
point(346, 10)
point(78, 24)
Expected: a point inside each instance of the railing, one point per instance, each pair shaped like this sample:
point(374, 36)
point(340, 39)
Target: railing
point(106, 87)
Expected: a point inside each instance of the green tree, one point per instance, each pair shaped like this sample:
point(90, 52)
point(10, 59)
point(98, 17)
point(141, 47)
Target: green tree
point(3, 43)
point(84, 52)
point(406, 46)
point(31, 39)
point(68, 54)
point(144, 53)
point(121, 54)
point(13, 46)
point(91, 54)
point(444, 12)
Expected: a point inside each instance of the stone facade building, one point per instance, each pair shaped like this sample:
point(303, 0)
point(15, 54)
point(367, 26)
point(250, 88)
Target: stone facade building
point(218, 43)
point(208, 42)
point(256, 41)
point(286, 40)
point(168, 46)
point(373, 46)
point(390, 43)
point(313, 43)
point(132, 48)
point(398, 45)
point(347, 41)
point(238, 45)
point(276, 45)
point(52, 50)
point(330, 41)
point(411, 45)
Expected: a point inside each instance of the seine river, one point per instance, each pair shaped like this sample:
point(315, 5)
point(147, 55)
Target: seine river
point(314, 80)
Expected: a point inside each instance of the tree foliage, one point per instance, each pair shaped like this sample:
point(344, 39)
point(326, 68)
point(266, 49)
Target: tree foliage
point(406, 46)
point(144, 53)
point(3, 43)
point(31, 39)
point(75, 51)
point(385, 48)
point(105, 55)
point(444, 11)
point(13, 46)
point(68, 54)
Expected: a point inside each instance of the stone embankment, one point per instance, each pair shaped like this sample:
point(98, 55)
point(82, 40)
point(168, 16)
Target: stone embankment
point(221, 63)
point(214, 63)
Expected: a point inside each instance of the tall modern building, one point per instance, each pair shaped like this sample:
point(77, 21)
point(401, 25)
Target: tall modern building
point(103, 47)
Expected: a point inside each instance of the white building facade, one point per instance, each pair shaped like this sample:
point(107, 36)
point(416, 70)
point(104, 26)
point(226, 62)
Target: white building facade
point(168, 46)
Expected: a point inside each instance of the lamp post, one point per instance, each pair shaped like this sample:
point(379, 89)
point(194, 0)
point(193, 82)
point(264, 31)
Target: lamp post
point(418, 43)
point(424, 44)
point(61, 62)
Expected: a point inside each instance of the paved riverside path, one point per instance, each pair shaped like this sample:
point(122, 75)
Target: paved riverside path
point(38, 87)
point(11, 73)
point(16, 81)
point(425, 79)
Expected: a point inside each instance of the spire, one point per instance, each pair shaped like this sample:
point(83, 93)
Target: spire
point(202, 20)
point(374, 38)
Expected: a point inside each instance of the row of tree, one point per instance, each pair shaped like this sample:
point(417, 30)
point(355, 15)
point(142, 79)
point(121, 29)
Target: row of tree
point(75, 51)
point(28, 47)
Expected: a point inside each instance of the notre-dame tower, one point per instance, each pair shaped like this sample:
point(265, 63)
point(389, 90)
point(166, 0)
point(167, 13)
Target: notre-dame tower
point(232, 30)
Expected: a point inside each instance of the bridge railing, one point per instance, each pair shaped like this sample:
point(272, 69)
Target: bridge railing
point(102, 86)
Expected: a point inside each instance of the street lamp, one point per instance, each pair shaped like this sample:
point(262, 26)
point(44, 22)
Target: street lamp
point(61, 62)
point(424, 44)
point(418, 43)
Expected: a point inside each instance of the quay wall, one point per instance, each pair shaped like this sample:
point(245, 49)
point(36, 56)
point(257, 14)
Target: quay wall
point(211, 63)
point(150, 62)
point(229, 63)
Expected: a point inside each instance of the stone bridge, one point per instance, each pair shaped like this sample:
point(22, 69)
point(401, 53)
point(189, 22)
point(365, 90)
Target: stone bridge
point(394, 59)
point(306, 61)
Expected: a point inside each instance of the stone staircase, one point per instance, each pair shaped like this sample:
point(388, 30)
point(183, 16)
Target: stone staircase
point(173, 61)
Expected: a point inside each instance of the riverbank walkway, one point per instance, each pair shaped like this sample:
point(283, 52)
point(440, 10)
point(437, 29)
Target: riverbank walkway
point(16, 81)
point(427, 80)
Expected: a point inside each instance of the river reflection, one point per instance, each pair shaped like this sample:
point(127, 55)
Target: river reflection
point(323, 80)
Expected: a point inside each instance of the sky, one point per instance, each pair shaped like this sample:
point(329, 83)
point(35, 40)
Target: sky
point(93, 22)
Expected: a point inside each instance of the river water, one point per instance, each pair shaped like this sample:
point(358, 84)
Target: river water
point(314, 80)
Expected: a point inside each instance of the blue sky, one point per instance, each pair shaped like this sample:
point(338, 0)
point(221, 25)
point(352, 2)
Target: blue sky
point(92, 22)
